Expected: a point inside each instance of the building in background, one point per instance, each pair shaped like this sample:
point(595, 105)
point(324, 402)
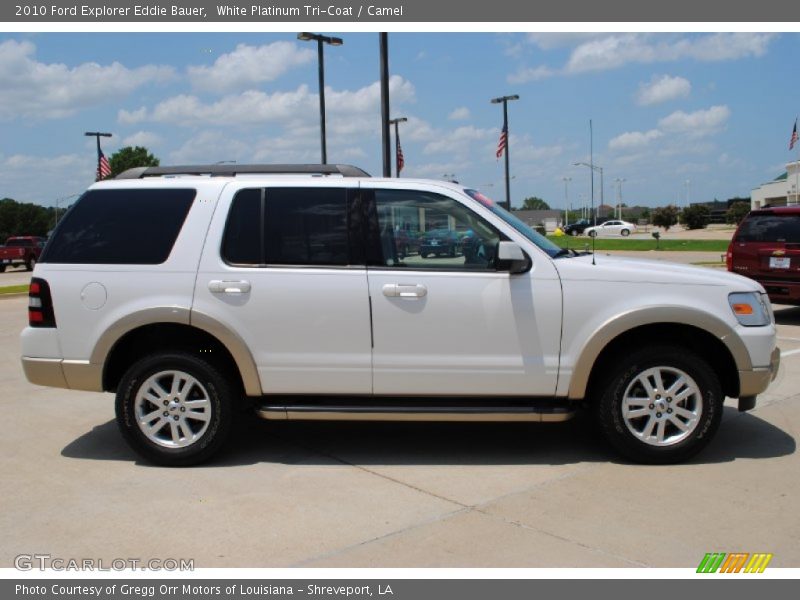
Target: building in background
point(781, 191)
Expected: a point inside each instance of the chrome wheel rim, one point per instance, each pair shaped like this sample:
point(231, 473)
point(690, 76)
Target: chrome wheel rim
point(173, 409)
point(662, 406)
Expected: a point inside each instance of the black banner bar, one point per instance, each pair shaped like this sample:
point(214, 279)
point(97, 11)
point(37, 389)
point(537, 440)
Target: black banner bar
point(400, 11)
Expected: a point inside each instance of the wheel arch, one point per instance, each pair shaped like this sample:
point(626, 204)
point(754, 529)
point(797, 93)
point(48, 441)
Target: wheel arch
point(718, 343)
point(177, 328)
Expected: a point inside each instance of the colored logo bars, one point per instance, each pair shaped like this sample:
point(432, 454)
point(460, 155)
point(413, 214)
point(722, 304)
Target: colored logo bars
point(736, 562)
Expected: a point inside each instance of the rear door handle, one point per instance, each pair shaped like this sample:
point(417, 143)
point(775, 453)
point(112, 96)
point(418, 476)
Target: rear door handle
point(218, 286)
point(405, 290)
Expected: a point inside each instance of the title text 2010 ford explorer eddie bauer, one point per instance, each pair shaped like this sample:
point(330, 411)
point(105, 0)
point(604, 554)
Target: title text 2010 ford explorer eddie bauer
point(186, 290)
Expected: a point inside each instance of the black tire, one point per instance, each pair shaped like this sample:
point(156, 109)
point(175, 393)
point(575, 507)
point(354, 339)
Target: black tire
point(574, 233)
point(30, 263)
point(625, 232)
point(592, 234)
point(608, 404)
point(2, 268)
point(222, 398)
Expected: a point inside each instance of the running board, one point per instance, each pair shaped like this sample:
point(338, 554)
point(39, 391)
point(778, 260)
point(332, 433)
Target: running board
point(297, 412)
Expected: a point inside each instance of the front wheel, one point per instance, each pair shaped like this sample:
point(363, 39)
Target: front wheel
point(660, 405)
point(175, 409)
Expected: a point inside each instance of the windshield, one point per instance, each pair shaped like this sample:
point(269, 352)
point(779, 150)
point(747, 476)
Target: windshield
point(523, 228)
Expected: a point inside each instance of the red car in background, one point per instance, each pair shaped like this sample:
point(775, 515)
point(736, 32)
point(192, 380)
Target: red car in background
point(766, 247)
point(21, 250)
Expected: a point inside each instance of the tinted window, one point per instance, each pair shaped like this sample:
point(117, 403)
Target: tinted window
point(306, 226)
point(242, 243)
point(770, 228)
point(120, 227)
point(287, 226)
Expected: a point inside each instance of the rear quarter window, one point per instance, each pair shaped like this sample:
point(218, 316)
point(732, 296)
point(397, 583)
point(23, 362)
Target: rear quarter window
point(770, 228)
point(129, 227)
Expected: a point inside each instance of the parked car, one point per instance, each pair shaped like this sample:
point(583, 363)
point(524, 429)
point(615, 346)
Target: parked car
point(766, 248)
point(611, 228)
point(193, 297)
point(406, 243)
point(439, 242)
point(21, 250)
point(576, 228)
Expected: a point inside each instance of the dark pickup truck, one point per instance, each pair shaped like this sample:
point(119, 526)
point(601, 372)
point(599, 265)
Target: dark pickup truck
point(21, 250)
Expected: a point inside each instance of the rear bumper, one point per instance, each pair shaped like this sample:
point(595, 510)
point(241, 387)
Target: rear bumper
point(781, 291)
point(754, 381)
point(57, 372)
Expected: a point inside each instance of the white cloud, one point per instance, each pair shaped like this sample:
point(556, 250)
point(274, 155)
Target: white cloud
point(662, 89)
point(208, 147)
point(459, 114)
point(459, 141)
point(148, 139)
point(291, 108)
point(617, 50)
point(550, 41)
point(634, 139)
point(33, 89)
point(28, 178)
point(696, 124)
point(528, 74)
point(249, 66)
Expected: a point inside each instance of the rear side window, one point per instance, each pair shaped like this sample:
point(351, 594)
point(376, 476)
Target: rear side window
point(127, 227)
point(770, 228)
point(287, 226)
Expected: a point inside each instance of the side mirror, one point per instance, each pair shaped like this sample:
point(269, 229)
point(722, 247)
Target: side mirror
point(511, 258)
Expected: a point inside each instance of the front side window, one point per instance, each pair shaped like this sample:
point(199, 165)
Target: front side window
point(423, 230)
point(287, 226)
point(120, 226)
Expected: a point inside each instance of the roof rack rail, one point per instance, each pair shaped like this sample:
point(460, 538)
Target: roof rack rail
point(226, 170)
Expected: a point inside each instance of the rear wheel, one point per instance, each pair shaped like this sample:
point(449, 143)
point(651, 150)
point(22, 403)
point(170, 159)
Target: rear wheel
point(175, 409)
point(592, 234)
point(30, 263)
point(625, 232)
point(660, 405)
point(574, 232)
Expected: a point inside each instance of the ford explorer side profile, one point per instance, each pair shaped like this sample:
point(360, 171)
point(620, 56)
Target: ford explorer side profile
point(190, 292)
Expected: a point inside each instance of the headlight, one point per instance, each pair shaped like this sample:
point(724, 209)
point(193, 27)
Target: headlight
point(749, 308)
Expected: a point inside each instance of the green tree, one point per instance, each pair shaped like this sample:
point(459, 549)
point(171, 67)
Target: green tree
point(534, 203)
point(696, 216)
point(17, 218)
point(665, 216)
point(130, 157)
point(737, 211)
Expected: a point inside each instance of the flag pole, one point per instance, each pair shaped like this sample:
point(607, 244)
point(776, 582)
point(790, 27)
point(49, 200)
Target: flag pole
point(97, 135)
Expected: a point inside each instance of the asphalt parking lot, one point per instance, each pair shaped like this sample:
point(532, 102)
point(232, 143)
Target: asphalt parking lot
point(393, 495)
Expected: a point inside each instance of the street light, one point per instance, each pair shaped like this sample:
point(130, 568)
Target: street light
point(619, 181)
point(594, 168)
point(504, 101)
point(333, 41)
point(398, 151)
point(566, 198)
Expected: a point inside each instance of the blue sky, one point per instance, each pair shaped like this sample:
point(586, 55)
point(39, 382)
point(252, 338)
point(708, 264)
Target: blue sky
point(714, 109)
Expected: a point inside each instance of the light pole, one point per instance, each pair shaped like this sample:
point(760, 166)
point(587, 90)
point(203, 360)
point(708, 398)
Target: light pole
point(503, 144)
point(333, 41)
point(594, 168)
point(566, 198)
point(686, 205)
point(398, 151)
point(619, 182)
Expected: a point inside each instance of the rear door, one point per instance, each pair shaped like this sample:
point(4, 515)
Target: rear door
point(281, 270)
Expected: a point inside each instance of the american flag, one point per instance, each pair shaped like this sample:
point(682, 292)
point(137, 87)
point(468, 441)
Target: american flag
point(103, 168)
point(502, 142)
point(400, 160)
point(793, 141)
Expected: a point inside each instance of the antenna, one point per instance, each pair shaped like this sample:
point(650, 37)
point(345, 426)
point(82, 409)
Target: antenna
point(591, 162)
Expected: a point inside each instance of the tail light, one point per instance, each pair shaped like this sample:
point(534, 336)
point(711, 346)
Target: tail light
point(729, 257)
point(40, 304)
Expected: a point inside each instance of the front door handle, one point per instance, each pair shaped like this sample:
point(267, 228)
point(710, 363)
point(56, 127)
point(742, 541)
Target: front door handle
point(405, 290)
point(218, 286)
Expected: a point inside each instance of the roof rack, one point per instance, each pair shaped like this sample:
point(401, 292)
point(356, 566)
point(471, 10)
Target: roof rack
point(226, 170)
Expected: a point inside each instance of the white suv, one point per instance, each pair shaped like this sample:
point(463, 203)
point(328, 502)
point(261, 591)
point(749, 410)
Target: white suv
point(189, 291)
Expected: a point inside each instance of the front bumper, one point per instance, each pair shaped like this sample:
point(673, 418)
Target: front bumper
point(755, 381)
